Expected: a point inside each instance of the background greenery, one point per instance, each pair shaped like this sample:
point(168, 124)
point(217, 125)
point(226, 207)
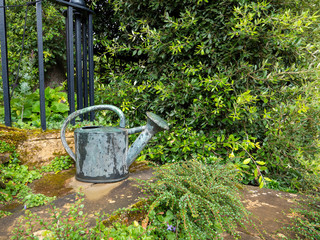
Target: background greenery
point(236, 80)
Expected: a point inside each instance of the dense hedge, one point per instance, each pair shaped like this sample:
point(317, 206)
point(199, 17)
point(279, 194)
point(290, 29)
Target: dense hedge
point(236, 80)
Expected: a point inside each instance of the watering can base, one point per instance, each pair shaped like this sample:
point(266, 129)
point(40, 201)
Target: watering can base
point(101, 179)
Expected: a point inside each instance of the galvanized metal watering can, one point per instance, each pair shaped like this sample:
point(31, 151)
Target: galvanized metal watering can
point(102, 153)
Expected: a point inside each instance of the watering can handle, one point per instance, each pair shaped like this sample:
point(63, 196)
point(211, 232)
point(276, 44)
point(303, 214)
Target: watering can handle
point(85, 110)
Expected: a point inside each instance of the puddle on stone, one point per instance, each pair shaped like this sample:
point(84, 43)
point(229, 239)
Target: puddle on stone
point(99, 190)
point(53, 184)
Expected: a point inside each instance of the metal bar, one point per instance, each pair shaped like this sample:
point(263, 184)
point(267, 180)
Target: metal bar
point(85, 64)
point(4, 64)
point(79, 63)
point(91, 66)
point(70, 73)
point(76, 6)
point(41, 66)
point(68, 57)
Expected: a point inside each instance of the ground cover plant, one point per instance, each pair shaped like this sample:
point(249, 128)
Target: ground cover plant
point(74, 225)
point(15, 177)
point(187, 200)
point(306, 218)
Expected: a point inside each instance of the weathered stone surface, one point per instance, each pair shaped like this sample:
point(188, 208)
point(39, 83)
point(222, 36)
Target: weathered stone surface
point(40, 149)
point(35, 147)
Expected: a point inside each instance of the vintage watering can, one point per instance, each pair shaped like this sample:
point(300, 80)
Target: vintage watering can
point(102, 153)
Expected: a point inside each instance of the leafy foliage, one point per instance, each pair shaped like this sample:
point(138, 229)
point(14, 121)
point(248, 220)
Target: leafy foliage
point(200, 200)
point(16, 177)
point(25, 106)
point(74, 225)
point(6, 147)
point(220, 70)
point(58, 164)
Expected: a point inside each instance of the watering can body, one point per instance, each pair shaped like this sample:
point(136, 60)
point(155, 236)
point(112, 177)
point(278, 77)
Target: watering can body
point(102, 153)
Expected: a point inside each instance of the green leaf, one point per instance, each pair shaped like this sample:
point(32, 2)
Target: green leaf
point(27, 113)
point(261, 184)
point(260, 162)
point(36, 107)
point(260, 179)
point(59, 107)
point(246, 161)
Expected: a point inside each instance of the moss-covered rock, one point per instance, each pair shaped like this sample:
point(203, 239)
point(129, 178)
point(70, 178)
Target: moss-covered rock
point(12, 135)
point(35, 147)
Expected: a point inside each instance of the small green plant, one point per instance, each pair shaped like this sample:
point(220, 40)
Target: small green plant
point(198, 200)
point(30, 199)
point(123, 232)
point(16, 177)
point(4, 213)
point(72, 225)
point(58, 164)
point(6, 147)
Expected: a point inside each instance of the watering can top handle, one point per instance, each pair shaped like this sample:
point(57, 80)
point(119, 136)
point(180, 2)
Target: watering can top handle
point(85, 110)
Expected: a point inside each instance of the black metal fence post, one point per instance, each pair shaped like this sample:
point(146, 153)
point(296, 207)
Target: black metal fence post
point(78, 42)
point(91, 66)
point(85, 64)
point(4, 63)
point(41, 66)
point(79, 34)
point(70, 73)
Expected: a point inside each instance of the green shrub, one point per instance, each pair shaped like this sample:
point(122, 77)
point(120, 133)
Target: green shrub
point(217, 69)
point(306, 219)
point(199, 200)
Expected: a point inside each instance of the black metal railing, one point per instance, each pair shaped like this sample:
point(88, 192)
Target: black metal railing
point(79, 33)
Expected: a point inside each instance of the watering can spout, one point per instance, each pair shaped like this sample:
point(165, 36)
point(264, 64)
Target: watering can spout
point(154, 125)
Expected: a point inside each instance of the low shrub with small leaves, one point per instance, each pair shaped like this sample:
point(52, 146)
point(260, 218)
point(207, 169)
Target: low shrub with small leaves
point(306, 219)
point(199, 200)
